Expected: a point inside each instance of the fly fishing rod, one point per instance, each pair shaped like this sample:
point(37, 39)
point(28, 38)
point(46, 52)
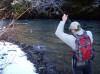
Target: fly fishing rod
point(62, 12)
point(60, 9)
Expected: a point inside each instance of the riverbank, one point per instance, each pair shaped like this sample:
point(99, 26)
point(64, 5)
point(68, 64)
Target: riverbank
point(35, 54)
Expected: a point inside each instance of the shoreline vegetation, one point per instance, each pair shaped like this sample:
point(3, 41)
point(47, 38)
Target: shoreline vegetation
point(49, 9)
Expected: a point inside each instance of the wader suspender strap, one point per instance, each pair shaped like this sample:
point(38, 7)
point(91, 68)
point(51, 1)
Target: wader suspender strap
point(77, 52)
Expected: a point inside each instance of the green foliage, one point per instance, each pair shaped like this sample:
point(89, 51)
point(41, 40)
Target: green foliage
point(19, 8)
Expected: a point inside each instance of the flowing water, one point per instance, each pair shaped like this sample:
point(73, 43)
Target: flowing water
point(42, 31)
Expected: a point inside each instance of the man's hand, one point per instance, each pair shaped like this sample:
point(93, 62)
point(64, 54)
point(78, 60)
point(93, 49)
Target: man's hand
point(65, 17)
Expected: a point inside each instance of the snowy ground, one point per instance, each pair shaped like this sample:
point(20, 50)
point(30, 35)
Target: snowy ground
point(13, 60)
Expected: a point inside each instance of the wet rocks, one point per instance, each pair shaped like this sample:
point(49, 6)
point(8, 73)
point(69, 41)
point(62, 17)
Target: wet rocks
point(37, 56)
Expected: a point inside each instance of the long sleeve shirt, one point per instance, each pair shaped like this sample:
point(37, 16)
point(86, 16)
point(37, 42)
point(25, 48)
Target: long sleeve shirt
point(68, 38)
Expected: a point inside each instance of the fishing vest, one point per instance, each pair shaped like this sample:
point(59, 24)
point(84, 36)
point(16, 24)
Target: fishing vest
point(84, 50)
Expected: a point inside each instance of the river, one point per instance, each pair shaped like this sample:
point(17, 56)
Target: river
point(42, 32)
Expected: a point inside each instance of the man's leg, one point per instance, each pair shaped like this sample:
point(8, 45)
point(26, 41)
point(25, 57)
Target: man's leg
point(88, 68)
point(75, 69)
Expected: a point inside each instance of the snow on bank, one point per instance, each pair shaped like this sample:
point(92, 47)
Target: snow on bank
point(13, 60)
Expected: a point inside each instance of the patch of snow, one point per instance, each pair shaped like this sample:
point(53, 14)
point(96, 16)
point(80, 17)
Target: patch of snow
point(14, 61)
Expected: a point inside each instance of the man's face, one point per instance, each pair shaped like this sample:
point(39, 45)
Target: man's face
point(73, 31)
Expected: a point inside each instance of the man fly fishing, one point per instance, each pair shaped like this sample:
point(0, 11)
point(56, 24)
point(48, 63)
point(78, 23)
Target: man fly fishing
point(81, 43)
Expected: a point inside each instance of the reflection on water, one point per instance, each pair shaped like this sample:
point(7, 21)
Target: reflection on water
point(41, 31)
